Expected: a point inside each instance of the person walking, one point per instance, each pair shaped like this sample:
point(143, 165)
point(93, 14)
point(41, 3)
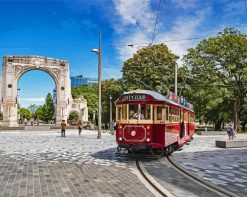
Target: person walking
point(230, 131)
point(79, 127)
point(63, 127)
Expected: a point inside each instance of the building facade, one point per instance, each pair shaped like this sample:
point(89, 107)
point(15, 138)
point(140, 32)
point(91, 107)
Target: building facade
point(80, 80)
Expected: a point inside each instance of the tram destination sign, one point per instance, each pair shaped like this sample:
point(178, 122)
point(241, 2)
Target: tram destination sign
point(135, 97)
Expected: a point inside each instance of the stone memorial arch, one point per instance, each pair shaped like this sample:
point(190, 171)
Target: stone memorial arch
point(15, 66)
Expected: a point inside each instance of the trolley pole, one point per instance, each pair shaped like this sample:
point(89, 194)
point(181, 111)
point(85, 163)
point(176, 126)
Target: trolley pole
point(176, 80)
point(110, 113)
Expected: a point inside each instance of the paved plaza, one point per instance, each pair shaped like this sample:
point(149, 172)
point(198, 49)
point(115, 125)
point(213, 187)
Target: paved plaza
point(223, 167)
point(41, 163)
point(44, 164)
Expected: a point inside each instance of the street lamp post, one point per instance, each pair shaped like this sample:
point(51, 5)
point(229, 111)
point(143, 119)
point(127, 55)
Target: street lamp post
point(110, 114)
point(99, 53)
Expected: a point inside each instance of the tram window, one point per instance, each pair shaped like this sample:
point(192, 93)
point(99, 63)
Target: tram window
point(124, 112)
point(170, 115)
point(119, 112)
point(145, 112)
point(191, 117)
point(159, 113)
point(133, 112)
point(167, 113)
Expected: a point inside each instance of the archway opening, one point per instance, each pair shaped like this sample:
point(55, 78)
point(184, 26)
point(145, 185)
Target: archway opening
point(36, 98)
point(73, 118)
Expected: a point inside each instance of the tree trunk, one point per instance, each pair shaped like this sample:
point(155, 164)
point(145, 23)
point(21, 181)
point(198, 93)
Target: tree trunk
point(236, 116)
point(244, 126)
point(218, 124)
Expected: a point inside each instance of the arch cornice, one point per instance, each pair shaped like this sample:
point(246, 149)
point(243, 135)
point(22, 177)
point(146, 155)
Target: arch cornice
point(22, 69)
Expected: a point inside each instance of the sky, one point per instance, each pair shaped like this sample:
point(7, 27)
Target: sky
point(68, 30)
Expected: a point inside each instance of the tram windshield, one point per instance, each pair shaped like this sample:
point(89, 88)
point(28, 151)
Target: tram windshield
point(134, 111)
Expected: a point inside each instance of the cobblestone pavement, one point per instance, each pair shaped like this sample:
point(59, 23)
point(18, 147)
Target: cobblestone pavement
point(223, 167)
point(44, 164)
point(174, 182)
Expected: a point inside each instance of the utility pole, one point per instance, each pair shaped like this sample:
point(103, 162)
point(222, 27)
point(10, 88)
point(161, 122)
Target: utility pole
point(110, 114)
point(99, 83)
point(176, 80)
point(99, 53)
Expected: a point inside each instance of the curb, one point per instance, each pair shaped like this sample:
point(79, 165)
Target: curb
point(203, 182)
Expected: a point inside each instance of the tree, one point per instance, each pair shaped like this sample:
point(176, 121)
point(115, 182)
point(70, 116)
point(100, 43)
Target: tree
point(153, 65)
point(48, 108)
point(113, 88)
point(25, 113)
point(220, 65)
point(39, 113)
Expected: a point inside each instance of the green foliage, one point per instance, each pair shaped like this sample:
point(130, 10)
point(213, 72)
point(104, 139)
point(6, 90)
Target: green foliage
point(45, 112)
point(153, 65)
point(113, 88)
point(25, 113)
point(39, 113)
point(218, 66)
point(73, 118)
point(90, 94)
point(48, 108)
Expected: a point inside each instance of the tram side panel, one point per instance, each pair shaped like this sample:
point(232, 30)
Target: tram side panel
point(158, 135)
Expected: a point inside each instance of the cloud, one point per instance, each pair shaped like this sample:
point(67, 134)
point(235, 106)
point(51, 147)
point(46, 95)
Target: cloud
point(183, 28)
point(136, 26)
point(135, 12)
point(33, 99)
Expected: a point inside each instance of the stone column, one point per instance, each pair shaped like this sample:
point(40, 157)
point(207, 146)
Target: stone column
point(9, 95)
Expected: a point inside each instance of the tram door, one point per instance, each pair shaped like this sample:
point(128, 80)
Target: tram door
point(186, 122)
point(159, 123)
point(182, 123)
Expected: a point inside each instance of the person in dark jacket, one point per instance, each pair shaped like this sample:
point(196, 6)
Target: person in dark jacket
point(80, 127)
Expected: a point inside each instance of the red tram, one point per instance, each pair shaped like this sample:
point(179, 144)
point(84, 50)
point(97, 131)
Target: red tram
point(149, 121)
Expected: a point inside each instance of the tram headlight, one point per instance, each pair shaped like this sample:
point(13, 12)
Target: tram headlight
point(148, 139)
point(120, 139)
point(148, 127)
point(120, 126)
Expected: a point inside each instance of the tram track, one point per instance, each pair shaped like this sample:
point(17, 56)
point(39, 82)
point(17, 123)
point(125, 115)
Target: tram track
point(158, 188)
point(164, 192)
point(202, 182)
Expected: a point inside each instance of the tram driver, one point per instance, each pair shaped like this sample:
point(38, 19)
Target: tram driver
point(133, 115)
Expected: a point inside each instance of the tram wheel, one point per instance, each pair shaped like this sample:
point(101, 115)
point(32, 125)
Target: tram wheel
point(170, 150)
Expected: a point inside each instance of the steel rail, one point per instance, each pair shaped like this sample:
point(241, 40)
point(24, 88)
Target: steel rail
point(204, 183)
point(149, 181)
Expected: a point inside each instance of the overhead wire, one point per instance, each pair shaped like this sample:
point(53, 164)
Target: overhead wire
point(156, 21)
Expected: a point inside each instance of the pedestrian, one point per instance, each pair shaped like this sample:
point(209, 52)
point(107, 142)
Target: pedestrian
point(230, 131)
point(63, 127)
point(80, 127)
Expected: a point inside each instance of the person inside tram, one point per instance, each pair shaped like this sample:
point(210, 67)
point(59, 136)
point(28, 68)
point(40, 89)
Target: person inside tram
point(159, 115)
point(142, 115)
point(133, 115)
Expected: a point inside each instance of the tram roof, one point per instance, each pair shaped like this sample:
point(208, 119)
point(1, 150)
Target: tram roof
point(157, 96)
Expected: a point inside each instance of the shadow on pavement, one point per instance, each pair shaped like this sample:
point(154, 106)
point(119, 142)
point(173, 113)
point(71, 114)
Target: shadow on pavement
point(109, 154)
